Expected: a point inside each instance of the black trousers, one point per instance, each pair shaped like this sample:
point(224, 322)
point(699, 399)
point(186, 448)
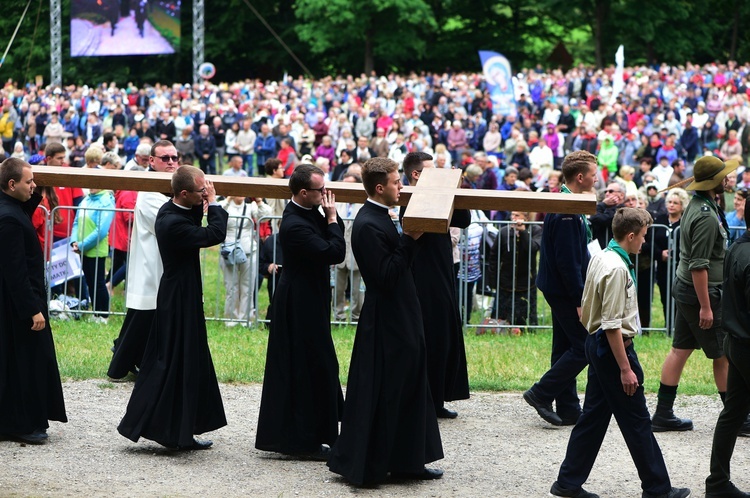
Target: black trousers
point(734, 414)
point(604, 398)
point(568, 358)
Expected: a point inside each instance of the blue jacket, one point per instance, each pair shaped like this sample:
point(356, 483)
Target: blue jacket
point(564, 257)
point(265, 146)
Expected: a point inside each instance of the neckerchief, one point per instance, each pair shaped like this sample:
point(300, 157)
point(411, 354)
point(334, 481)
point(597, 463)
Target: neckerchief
point(719, 212)
point(589, 235)
point(614, 246)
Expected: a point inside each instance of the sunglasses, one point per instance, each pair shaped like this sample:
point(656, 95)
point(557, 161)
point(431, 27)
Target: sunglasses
point(610, 191)
point(165, 159)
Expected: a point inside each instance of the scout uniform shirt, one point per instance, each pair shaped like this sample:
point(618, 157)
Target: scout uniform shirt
point(703, 240)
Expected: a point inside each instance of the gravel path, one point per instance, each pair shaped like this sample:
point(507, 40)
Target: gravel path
point(498, 447)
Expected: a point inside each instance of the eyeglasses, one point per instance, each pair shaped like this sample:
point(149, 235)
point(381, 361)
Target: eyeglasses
point(201, 191)
point(321, 190)
point(166, 159)
point(610, 191)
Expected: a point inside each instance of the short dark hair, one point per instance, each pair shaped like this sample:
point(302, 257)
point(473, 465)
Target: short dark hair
point(375, 172)
point(301, 177)
point(413, 162)
point(160, 143)
point(107, 137)
point(184, 178)
point(11, 169)
point(630, 220)
point(576, 163)
point(271, 165)
point(53, 148)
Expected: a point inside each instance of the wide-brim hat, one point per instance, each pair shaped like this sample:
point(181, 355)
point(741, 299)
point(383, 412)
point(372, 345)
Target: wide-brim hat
point(709, 172)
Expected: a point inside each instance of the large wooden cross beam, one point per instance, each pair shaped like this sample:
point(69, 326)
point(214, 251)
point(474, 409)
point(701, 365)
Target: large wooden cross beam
point(431, 202)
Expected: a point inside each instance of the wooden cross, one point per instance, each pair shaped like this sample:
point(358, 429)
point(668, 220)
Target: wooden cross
point(430, 203)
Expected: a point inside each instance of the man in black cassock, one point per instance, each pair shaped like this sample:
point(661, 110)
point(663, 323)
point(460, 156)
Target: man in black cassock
point(302, 401)
point(176, 394)
point(435, 278)
point(30, 389)
point(389, 422)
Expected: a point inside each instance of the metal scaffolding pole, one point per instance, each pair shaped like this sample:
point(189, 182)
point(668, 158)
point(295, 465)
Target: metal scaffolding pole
point(55, 36)
point(198, 39)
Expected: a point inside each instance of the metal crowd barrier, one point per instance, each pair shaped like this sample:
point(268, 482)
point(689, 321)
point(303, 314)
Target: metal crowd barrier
point(499, 308)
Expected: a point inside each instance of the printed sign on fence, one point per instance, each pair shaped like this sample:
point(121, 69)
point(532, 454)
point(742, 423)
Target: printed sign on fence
point(64, 263)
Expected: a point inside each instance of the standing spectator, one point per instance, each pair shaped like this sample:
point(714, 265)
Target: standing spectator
point(176, 394)
point(347, 272)
point(90, 239)
point(690, 141)
point(563, 260)
point(732, 146)
point(457, 141)
point(30, 390)
point(219, 134)
point(53, 132)
point(119, 236)
point(607, 158)
point(265, 145)
point(240, 278)
point(8, 120)
point(736, 218)
point(512, 271)
point(666, 243)
point(302, 400)
point(288, 157)
point(245, 145)
point(185, 145)
point(205, 149)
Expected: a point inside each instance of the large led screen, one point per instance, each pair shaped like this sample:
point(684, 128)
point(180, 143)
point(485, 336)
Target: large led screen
point(124, 27)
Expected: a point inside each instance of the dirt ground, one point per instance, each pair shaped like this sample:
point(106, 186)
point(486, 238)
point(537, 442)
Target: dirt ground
point(497, 447)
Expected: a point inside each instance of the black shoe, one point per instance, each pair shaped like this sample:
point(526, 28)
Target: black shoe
point(197, 445)
point(570, 420)
point(665, 422)
point(446, 413)
point(557, 490)
point(727, 491)
point(543, 409)
point(745, 429)
point(425, 475)
point(672, 493)
point(36, 437)
point(322, 454)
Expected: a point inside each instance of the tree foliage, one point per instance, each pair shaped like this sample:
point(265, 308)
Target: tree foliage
point(348, 36)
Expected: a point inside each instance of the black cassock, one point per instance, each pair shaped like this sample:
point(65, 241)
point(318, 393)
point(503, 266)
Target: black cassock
point(389, 419)
point(30, 390)
point(435, 278)
point(176, 394)
point(302, 401)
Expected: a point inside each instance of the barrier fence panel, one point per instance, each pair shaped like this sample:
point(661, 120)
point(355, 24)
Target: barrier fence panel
point(496, 277)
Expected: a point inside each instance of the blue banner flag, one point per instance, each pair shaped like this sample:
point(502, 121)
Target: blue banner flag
point(499, 82)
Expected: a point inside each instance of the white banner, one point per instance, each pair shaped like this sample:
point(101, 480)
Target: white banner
point(64, 263)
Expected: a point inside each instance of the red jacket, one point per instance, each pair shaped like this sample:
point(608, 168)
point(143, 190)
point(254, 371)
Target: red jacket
point(119, 232)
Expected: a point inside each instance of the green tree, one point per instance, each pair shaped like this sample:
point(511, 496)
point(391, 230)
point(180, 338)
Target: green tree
point(380, 34)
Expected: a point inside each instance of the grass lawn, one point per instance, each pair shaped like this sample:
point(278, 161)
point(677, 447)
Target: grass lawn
point(496, 362)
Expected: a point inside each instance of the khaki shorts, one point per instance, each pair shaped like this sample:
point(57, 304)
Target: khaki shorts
point(687, 333)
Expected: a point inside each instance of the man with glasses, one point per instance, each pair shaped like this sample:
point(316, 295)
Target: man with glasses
point(601, 222)
point(177, 394)
point(144, 269)
point(302, 400)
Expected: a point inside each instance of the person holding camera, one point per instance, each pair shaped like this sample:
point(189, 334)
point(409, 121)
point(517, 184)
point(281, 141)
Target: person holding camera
point(239, 257)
